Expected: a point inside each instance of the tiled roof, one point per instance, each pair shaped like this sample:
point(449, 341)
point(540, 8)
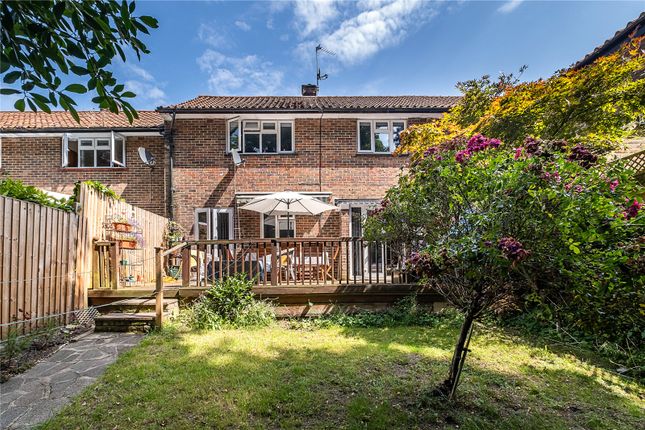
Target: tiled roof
point(60, 120)
point(336, 104)
point(633, 28)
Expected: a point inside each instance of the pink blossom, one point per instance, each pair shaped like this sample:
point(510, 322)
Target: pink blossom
point(632, 210)
point(518, 152)
point(613, 185)
point(462, 156)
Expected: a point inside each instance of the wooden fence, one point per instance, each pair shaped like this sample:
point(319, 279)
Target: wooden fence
point(38, 247)
point(48, 256)
point(96, 211)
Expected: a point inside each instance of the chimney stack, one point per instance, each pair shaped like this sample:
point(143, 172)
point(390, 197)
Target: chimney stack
point(309, 90)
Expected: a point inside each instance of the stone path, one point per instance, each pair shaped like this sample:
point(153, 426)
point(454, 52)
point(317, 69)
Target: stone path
point(36, 395)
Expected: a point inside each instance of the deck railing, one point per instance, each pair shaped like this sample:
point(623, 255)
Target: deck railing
point(290, 262)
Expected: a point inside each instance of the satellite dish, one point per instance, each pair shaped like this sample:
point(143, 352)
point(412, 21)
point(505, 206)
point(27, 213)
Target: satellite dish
point(146, 156)
point(237, 160)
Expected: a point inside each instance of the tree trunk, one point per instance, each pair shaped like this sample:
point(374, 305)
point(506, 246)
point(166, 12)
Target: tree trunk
point(448, 387)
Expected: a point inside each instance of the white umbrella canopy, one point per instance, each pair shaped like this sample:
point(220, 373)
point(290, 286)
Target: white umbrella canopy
point(288, 203)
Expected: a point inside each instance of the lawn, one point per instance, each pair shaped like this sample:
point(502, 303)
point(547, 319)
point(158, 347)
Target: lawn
point(280, 377)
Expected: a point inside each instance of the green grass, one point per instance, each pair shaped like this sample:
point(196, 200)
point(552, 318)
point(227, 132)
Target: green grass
point(336, 378)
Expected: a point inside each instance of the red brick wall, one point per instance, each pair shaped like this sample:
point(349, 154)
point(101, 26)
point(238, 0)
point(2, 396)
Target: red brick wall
point(203, 175)
point(37, 161)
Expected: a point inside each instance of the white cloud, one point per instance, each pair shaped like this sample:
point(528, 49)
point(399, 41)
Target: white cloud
point(240, 75)
point(381, 24)
point(509, 6)
point(140, 72)
point(148, 89)
point(210, 36)
point(242, 25)
point(313, 16)
point(149, 95)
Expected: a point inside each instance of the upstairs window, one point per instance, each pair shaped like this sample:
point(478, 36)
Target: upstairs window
point(90, 151)
point(379, 136)
point(260, 137)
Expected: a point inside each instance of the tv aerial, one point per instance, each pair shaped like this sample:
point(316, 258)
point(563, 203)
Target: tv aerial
point(320, 76)
point(146, 156)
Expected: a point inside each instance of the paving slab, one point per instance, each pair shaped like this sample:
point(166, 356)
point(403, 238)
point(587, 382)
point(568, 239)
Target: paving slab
point(33, 397)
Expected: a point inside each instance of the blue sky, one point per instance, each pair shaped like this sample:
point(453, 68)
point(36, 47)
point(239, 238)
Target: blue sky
point(383, 47)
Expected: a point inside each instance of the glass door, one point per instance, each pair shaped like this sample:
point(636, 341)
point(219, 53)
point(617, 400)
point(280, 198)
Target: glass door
point(369, 257)
point(213, 224)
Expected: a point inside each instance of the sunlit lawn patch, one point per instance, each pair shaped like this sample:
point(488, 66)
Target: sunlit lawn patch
point(334, 378)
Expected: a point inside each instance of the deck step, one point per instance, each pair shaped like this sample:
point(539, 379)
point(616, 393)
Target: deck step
point(141, 322)
point(141, 305)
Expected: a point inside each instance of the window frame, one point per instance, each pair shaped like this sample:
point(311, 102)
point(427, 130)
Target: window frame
point(260, 130)
point(94, 138)
point(372, 122)
point(291, 218)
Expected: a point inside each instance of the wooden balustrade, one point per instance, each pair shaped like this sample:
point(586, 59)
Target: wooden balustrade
point(292, 262)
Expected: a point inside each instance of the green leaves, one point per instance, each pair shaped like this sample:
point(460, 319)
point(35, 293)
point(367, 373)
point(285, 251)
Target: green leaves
point(41, 41)
point(76, 88)
point(585, 262)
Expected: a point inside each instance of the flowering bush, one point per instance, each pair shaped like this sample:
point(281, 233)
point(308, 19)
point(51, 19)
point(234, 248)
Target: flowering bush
point(547, 226)
point(598, 105)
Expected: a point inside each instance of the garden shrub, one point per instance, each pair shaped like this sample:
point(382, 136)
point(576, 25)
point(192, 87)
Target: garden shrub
point(18, 190)
point(548, 228)
point(229, 303)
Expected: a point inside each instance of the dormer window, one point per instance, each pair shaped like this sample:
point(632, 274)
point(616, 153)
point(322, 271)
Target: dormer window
point(93, 150)
point(260, 137)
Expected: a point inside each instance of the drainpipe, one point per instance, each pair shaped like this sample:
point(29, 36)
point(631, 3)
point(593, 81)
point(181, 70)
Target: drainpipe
point(170, 145)
point(322, 112)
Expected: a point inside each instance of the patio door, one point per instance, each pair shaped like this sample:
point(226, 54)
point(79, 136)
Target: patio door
point(214, 224)
point(369, 257)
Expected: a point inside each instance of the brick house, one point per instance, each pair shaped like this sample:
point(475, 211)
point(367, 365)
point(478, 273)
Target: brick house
point(337, 149)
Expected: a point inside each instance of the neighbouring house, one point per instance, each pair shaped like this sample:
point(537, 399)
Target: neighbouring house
point(337, 149)
point(53, 152)
point(633, 29)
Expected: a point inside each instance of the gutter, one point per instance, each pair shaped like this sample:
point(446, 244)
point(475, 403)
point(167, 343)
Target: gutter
point(81, 130)
point(278, 111)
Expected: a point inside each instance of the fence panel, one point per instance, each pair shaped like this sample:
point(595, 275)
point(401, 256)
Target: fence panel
point(37, 264)
point(96, 211)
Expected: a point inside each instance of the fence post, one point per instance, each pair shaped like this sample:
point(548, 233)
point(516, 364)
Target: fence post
point(185, 266)
point(114, 268)
point(158, 288)
point(275, 270)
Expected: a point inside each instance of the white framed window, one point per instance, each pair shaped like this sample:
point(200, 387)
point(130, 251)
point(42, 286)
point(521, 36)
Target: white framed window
point(379, 136)
point(93, 151)
point(277, 226)
point(260, 137)
point(213, 224)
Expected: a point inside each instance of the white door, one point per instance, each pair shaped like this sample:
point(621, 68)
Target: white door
point(369, 257)
point(214, 224)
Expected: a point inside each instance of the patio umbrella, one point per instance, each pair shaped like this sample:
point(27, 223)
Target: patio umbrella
point(288, 203)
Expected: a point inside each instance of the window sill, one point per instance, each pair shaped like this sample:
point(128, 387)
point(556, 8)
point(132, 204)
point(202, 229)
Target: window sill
point(93, 169)
point(378, 154)
point(268, 154)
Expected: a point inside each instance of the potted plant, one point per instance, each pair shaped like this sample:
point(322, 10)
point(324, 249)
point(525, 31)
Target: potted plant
point(122, 224)
point(128, 243)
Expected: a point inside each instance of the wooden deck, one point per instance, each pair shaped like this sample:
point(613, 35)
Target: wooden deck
point(296, 300)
